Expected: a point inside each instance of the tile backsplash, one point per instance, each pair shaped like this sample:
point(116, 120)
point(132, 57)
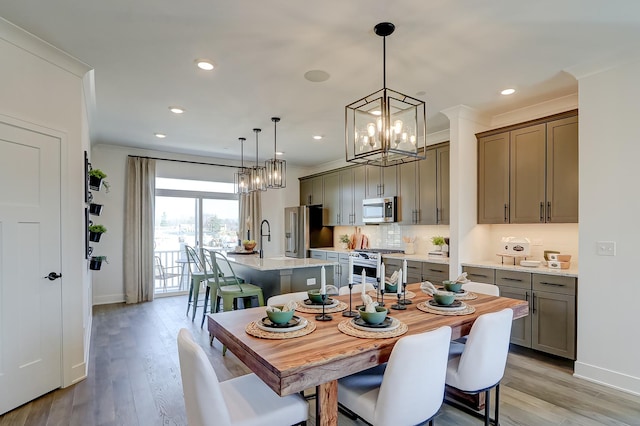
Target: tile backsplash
point(549, 236)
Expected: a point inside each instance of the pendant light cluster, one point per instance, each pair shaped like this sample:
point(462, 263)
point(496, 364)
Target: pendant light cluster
point(386, 127)
point(259, 178)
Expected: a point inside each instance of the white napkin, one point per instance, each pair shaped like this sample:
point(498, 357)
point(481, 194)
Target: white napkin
point(428, 288)
point(392, 279)
point(462, 278)
point(369, 304)
point(289, 306)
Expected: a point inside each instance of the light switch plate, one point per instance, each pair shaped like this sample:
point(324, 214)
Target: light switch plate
point(311, 281)
point(606, 248)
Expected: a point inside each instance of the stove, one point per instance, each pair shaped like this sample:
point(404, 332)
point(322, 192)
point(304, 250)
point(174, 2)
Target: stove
point(367, 260)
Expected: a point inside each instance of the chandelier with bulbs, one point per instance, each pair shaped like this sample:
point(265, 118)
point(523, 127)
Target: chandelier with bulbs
point(386, 127)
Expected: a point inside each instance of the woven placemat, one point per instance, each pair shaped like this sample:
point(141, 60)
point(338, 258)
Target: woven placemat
point(424, 307)
point(347, 328)
point(410, 294)
point(253, 330)
point(468, 296)
point(307, 310)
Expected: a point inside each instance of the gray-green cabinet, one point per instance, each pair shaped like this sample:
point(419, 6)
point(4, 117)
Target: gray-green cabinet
point(381, 181)
point(530, 174)
point(423, 189)
point(311, 191)
point(340, 269)
point(480, 274)
point(551, 324)
point(331, 199)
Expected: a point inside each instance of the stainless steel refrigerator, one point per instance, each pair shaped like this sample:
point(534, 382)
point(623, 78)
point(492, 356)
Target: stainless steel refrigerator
point(303, 230)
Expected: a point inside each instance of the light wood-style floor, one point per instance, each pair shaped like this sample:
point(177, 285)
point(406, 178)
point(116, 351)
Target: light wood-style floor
point(134, 379)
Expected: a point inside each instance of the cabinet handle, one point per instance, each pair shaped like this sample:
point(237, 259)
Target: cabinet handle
point(541, 211)
point(506, 213)
point(526, 298)
point(534, 303)
point(435, 270)
point(437, 215)
point(418, 216)
point(338, 218)
point(553, 284)
point(512, 279)
point(548, 211)
point(478, 275)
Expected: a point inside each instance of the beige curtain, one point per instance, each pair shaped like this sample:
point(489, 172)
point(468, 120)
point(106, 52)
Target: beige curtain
point(138, 229)
point(250, 215)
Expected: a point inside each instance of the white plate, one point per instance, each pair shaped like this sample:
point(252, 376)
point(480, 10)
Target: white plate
point(394, 324)
point(462, 307)
point(303, 324)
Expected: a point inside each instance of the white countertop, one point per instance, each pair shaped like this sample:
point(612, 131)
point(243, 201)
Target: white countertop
point(401, 256)
point(276, 263)
point(542, 269)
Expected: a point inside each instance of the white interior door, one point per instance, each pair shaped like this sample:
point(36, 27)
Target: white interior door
point(30, 305)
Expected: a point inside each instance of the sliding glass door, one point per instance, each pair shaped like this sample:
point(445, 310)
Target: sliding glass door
point(193, 213)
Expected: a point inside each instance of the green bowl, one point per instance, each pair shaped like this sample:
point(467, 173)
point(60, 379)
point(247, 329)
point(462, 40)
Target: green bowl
point(280, 317)
point(315, 296)
point(452, 285)
point(391, 288)
point(373, 317)
point(444, 297)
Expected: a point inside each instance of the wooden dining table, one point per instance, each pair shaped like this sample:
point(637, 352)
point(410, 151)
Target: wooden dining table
point(320, 358)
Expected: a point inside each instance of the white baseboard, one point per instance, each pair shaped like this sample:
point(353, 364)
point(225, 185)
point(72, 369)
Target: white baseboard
point(110, 298)
point(612, 379)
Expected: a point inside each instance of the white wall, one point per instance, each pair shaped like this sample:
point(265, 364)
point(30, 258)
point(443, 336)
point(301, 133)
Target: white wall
point(108, 286)
point(43, 86)
point(608, 344)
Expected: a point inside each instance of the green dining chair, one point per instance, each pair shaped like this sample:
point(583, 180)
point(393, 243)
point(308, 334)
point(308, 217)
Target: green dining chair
point(226, 287)
point(197, 274)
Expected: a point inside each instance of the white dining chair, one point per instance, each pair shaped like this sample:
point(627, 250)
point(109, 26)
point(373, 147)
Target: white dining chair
point(480, 365)
point(407, 391)
point(282, 299)
point(483, 288)
point(244, 400)
point(357, 289)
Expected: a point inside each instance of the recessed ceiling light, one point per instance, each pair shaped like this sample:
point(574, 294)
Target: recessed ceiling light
point(279, 152)
point(205, 64)
point(160, 135)
point(317, 76)
point(376, 112)
point(176, 109)
point(508, 92)
point(317, 137)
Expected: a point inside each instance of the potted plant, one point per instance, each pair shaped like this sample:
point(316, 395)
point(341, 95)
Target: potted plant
point(96, 180)
point(95, 209)
point(95, 263)
point(438, 241)
point(95, 232)
point(344, 241)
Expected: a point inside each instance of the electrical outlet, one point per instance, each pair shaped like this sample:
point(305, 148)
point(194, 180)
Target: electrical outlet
point(311, 281)
point(606, 248)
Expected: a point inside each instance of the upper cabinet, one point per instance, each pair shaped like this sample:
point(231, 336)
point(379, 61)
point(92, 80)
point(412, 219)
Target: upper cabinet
point(423, 189)
point(311, 191)
point(381, 181)
point(530, 174)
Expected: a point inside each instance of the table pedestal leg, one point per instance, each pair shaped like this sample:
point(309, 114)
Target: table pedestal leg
point(327, 404)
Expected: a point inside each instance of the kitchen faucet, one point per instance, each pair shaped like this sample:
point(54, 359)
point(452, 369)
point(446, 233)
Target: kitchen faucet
point(262, 234)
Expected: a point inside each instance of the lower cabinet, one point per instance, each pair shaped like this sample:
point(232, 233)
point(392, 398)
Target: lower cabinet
point(418, 271)
point(340, 269)
point(551, 324)
point(480, 275)
point(435, 272)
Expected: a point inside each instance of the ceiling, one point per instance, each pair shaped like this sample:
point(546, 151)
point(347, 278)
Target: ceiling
point(445, 52)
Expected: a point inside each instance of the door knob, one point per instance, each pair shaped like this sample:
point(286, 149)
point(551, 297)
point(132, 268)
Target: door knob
point(52, 276)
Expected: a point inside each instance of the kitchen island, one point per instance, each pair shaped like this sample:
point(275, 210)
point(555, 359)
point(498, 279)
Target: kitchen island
point(278, 275)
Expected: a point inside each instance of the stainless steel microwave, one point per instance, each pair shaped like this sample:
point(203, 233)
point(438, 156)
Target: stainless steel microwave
point(379, 210)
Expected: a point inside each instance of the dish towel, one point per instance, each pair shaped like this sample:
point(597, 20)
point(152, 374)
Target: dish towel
point(369, 304)
point(462, 278)
point(428, 288)
point(290, 306)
